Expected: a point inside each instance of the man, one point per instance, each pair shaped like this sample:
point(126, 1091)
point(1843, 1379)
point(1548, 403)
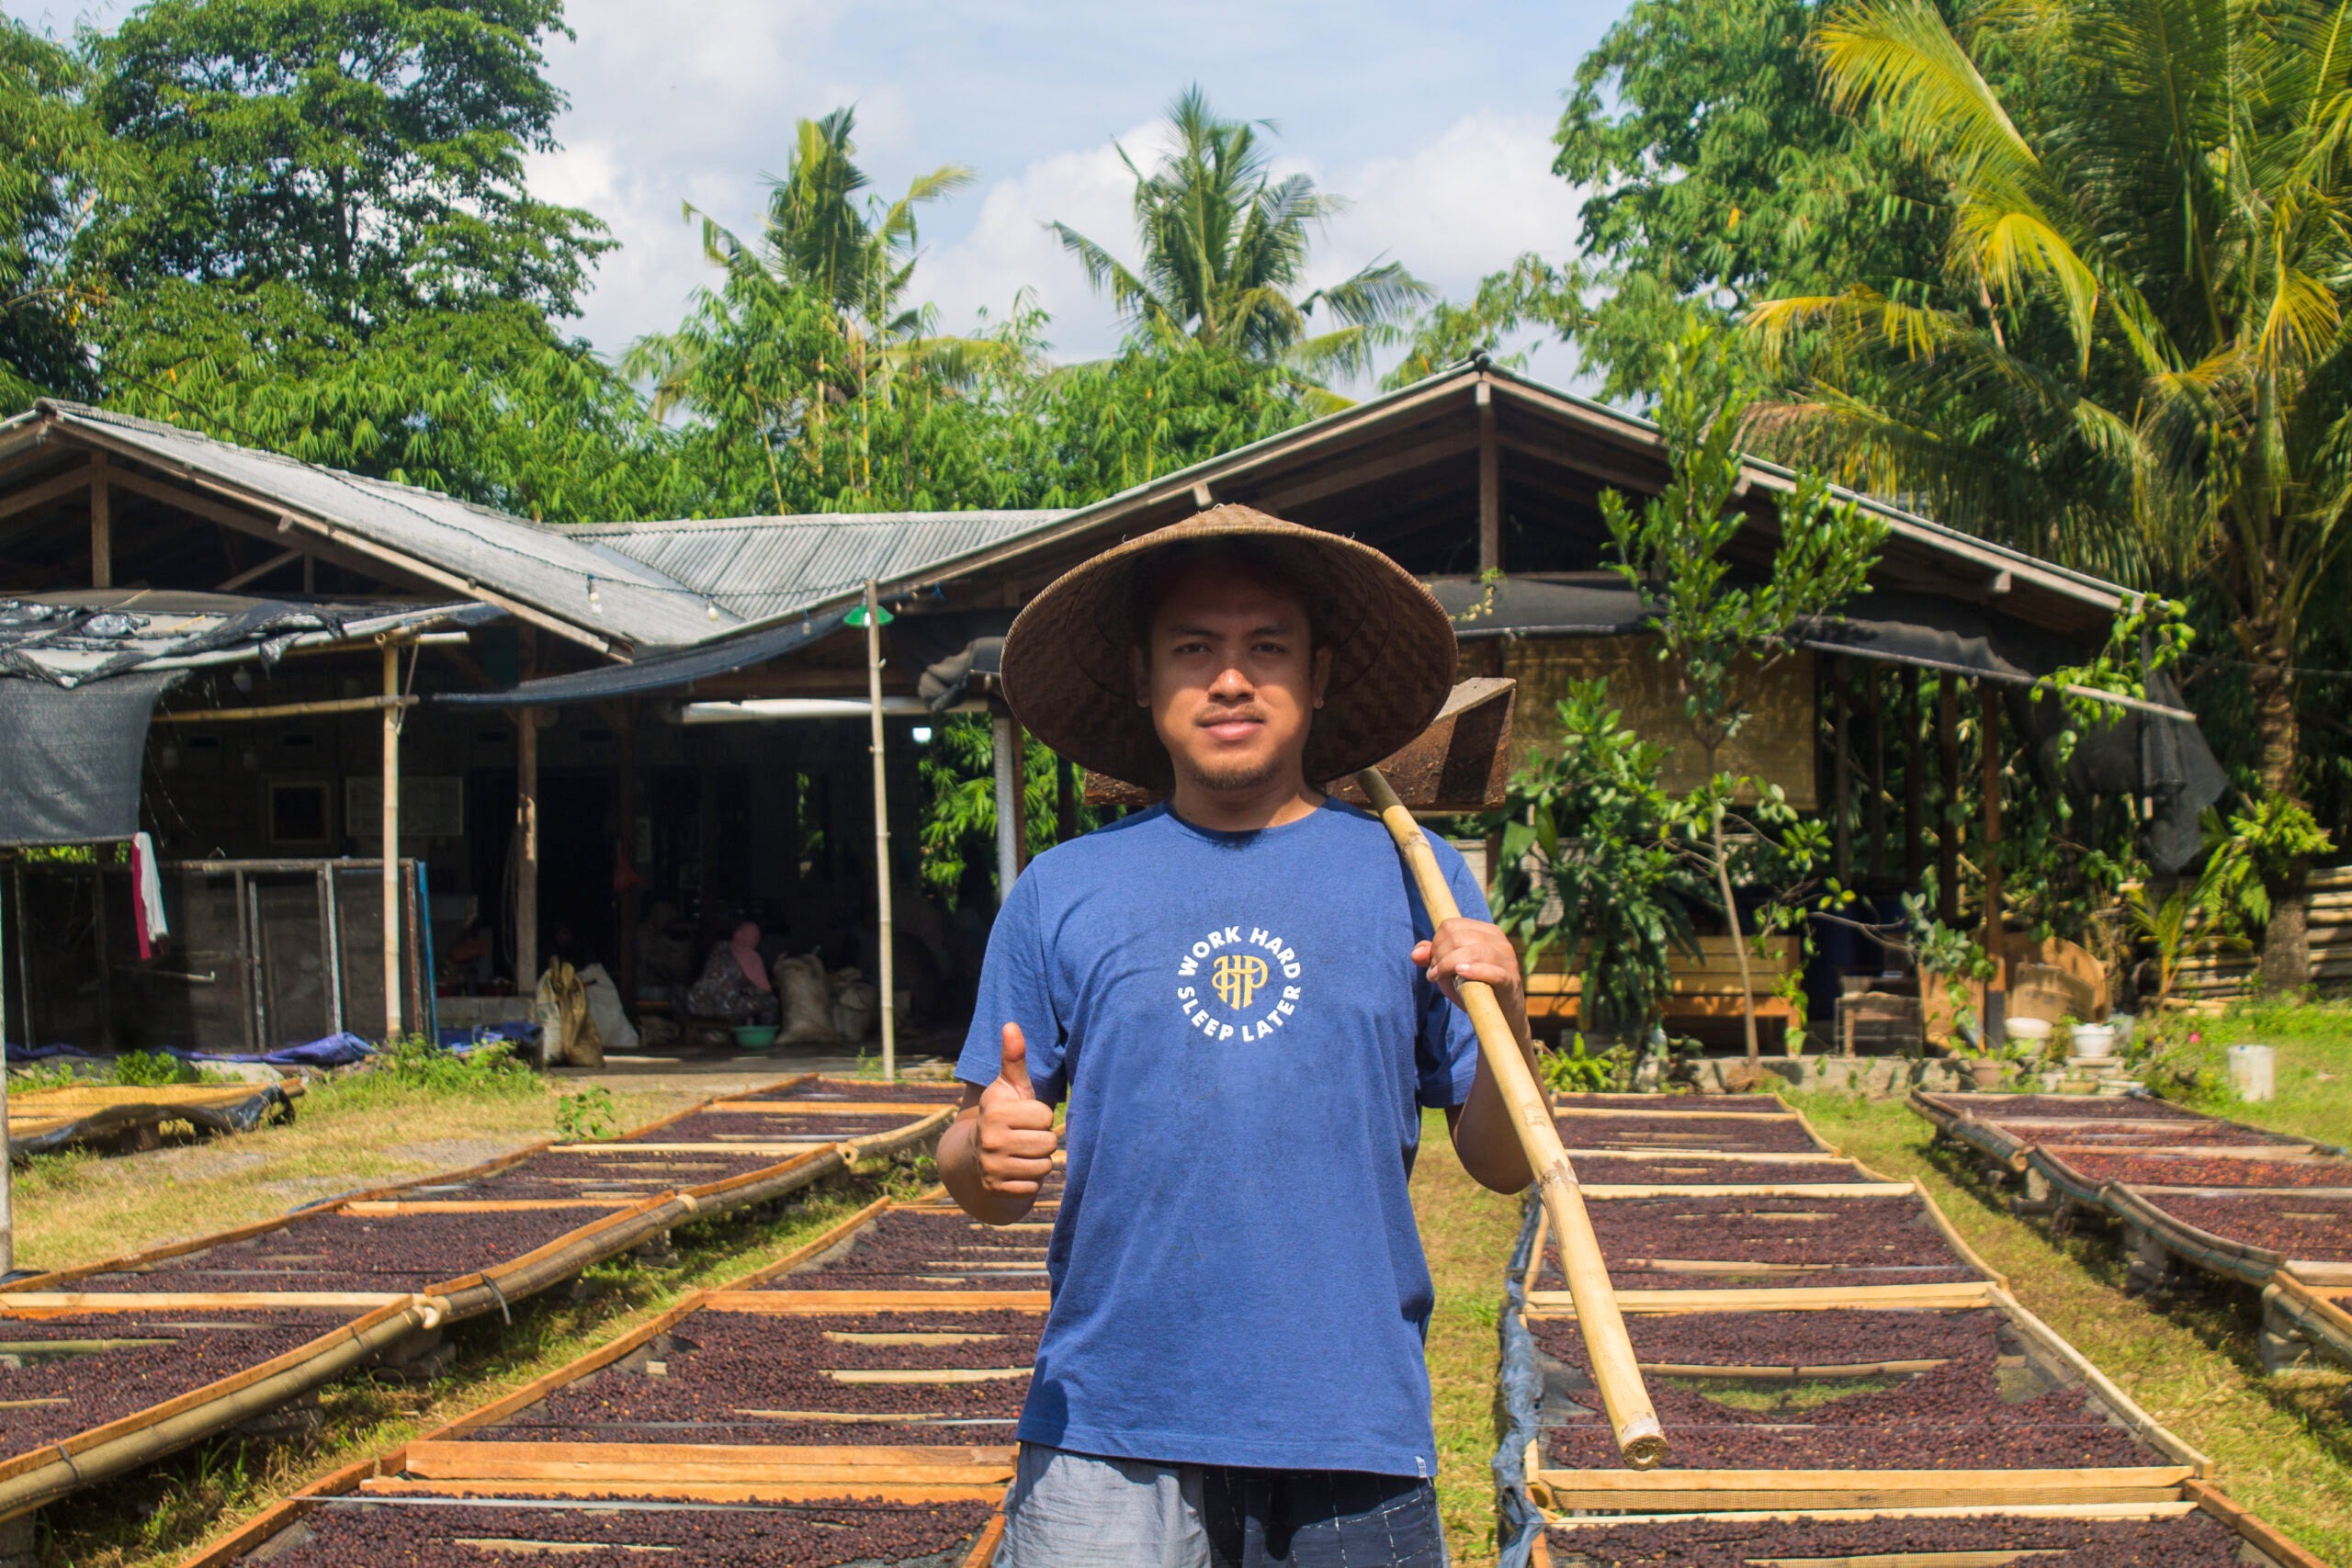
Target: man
point(1238, 993)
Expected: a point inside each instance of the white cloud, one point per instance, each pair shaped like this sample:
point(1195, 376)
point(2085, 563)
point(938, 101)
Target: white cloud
point(1008, 247)
point(1460, 207)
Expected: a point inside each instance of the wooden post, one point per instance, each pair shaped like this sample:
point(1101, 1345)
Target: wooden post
point(1989, 741)
point(881, 833)
point(1842, 785)
point(1874, 804)
point(1490, 483)
point(101, 523)
point(1008, 759)
point(1915, 784)
point(624, 899)
point(7, 1160)
point(391, 830)
point(1947, 806)
point(1065, 800)
point(526, 851)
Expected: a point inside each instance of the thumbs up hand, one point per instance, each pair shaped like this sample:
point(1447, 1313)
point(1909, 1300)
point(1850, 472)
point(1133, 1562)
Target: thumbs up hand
point(1014, 1134)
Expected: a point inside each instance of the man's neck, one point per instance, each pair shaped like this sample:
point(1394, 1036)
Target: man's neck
point(1244, 810)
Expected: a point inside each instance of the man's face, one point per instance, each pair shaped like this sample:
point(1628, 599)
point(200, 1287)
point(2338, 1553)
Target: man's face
point(1230, 677)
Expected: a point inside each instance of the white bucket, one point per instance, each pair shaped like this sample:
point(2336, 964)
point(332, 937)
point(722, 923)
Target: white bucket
point(2094, 1042)
point(2253, 1072)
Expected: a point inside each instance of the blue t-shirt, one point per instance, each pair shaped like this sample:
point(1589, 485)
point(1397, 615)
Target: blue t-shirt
point(1246, 1046)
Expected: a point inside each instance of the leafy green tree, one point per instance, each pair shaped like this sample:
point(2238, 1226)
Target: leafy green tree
point(814, 384)
point(1587, 867)
point(1724, 636)
point(55, 176)
point(482, 404)
point(370, 152)
point(958, 771)
point(1530, 292)
point(1719, 177)
point(1225, 250)
point(2153, 322)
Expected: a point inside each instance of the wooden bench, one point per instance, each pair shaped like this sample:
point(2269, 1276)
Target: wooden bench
point(1705, 988)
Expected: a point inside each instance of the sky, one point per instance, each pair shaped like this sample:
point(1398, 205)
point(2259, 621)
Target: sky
point(1434, 120)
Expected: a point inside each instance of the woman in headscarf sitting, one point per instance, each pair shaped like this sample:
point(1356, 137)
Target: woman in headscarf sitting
point(734, 984)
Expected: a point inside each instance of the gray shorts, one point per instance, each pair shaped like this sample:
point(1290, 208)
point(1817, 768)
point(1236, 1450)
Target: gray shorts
point(1070, 1510)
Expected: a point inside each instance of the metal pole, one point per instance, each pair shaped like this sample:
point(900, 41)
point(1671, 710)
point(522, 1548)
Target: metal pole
point(392, 826)
point(1007, 748)
point(8, 1155)
point(526, 857)
point(881, 833)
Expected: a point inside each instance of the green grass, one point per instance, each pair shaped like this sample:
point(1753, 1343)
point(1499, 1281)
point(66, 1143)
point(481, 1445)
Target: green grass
point(1467, 1233)
point(2280, 1444)
point(2314, 1045)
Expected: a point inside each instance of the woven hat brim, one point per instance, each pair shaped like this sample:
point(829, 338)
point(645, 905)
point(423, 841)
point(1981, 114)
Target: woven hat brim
point(1067, 677)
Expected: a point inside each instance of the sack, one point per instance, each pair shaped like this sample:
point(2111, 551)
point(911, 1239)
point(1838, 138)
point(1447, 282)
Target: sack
point(807, 1009)
point(614, 1030)
point(566, 1036)
point(855, 1004)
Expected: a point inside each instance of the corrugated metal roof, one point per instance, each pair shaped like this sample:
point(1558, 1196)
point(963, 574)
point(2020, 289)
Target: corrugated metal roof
point(544, 568)
point(94, 634)
point(760, 568)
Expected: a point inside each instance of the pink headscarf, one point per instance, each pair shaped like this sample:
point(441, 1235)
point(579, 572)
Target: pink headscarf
point(746, 948)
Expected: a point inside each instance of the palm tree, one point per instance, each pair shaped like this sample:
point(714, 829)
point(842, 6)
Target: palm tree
point(1224, 248)
point(2140, 361)
point(817, 238)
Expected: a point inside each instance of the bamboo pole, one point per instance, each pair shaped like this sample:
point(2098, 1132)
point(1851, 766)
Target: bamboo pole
point(286, 710)
point(526, 858)
point(881, 831)
point(8, 1155)
point(1007, 754)
point(1616, 1370)
point(392, 830)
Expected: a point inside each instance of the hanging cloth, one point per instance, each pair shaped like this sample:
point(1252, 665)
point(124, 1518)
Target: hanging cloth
point(146, 895)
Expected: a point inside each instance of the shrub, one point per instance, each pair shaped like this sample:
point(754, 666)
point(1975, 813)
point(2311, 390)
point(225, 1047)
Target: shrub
point(587, 1115)
point(414, 1064)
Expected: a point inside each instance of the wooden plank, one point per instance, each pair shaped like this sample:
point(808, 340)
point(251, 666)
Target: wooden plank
point(156, 1301)
point(802, 1304)
point(746, 1147)
point(485, 1204)
point(2172, 1510)
point(913, 1377)
point(2214, 1501)
point(490, 1460)
point(1766, 1117)
point(909, 1110)
point(1732, 1157)
point(1711, 1491)
point(1791, 1298)
point(688, 1492)
point(781, 1468)
point(2203, 1151)
point(1732, 1189)
point(1995, 1558)
point(1792, 1374)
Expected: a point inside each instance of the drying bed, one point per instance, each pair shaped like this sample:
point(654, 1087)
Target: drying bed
point(911, 1249)
point(766, 1127)
point(2188, 1538)
point(1836, 1389)
point(271, 1310)
point(737, 1378)
point(944, 1093)
point(2314, 1229)
point(405, 1250)
point(1666, 1134)
point(1815, 1235)
point(1675, 1104)
point(2097, 1168)
point(424, 1532)
point(2062, 1107)
point(1667, 1170)
point(66, 1373)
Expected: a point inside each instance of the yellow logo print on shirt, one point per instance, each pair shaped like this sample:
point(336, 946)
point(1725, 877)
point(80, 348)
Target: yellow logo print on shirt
point(1237, 976)
point(1253, 986)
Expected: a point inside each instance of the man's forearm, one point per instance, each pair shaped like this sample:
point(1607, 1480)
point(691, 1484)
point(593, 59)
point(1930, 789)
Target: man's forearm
point(959, 1172)
point(1486, 1135)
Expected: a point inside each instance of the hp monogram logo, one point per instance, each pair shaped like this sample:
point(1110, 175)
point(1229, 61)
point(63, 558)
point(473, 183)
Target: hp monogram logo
point(1237, 976)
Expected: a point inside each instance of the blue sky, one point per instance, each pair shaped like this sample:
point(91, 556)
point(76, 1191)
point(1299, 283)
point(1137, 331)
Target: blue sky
point(1435, 119)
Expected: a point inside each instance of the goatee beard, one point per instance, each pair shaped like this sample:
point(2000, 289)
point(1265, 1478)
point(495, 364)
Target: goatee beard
point(1236, 775)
